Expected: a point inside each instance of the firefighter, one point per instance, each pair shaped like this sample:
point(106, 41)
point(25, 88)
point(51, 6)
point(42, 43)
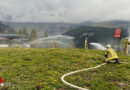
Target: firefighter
point(86, 42)
point(17, 45)
point(126, 43)
point(111, 55)
point(53, 45)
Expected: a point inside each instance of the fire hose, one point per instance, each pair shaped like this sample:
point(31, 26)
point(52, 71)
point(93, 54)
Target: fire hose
point(74, 86)
point(77, 87)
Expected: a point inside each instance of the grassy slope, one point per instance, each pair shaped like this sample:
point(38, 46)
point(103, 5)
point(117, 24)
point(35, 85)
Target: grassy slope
point(26, 68)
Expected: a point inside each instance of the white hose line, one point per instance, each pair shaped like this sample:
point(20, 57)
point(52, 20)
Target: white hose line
point(74, 86)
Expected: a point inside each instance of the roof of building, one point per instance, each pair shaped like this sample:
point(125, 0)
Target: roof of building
point(11, 35)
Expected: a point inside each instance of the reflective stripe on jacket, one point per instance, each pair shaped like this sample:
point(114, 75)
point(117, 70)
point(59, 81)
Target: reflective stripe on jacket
point(111, 54)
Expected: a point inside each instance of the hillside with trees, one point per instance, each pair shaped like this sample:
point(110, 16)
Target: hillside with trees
point(5, 29)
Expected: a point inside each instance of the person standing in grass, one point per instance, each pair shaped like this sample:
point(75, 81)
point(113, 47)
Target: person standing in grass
point(86, 43)
point(53, 45)
point(111, 55)
point(127, 42)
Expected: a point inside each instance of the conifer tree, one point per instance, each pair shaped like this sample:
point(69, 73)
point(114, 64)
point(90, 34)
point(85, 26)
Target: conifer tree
point(20, 31)
point(46, 34)
point(33, 34)
point(25, 32)
point(15, 32)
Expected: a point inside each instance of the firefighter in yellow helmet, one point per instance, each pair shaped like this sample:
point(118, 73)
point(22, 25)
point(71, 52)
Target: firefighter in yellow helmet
point(111, 55)
point(127, 42)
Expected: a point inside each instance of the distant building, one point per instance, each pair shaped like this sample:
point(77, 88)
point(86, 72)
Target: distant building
point(9, 40)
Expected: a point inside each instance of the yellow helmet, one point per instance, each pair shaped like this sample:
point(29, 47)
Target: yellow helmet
point(108, 46)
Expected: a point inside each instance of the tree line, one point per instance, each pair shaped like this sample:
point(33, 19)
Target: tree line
point(30, 36)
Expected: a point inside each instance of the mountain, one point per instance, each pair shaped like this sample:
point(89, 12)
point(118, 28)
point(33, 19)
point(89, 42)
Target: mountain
point(109, 24)
point(59, 28)
point(5, 29)
point(51, 28)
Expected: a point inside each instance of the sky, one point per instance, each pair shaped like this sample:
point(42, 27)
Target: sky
point(72, 11)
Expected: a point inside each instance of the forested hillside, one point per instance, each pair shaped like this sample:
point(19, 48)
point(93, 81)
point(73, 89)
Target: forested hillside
point(5, 29)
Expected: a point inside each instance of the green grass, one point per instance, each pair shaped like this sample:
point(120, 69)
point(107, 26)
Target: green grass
point(27, 68)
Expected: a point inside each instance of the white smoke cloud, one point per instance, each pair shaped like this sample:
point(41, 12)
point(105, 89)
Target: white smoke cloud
point(64, 10)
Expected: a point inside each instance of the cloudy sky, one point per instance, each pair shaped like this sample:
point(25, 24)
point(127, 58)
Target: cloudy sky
point(74, 11)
